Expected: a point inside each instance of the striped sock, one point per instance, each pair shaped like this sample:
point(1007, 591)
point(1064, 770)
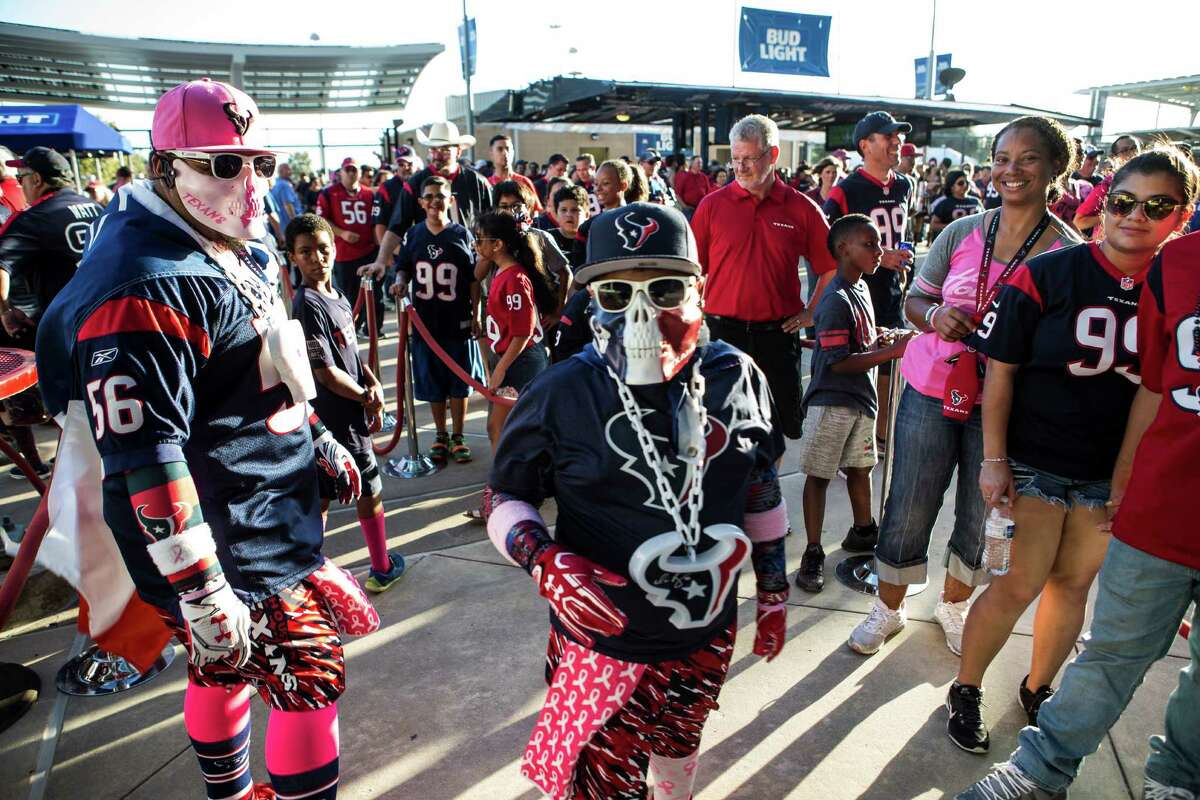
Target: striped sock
point(224, 762)
point(302, 753)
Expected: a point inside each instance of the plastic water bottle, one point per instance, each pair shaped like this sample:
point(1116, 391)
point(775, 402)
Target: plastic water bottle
point(997, 542)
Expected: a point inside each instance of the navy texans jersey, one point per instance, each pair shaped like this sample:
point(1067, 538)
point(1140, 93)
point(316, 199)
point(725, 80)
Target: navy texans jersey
point(165, 354)
point(948, 208)
point(441, 269)
point(569, 436)
point(1069, 318)
point(888, 205)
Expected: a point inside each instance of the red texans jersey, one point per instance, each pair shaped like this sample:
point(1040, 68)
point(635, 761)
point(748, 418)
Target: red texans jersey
point(511, 311)
point(351, 212)
point(1069, 319)
point(1158, 514)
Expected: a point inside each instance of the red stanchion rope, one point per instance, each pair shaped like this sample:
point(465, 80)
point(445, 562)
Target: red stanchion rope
point(401, 347)
point(18, 573)
point(452, 365)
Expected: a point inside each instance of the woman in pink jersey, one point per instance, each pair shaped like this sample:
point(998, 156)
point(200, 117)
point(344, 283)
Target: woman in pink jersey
point(938, 421)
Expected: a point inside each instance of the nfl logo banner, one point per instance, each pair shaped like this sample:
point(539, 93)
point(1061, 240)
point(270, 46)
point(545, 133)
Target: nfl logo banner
point(783, 42)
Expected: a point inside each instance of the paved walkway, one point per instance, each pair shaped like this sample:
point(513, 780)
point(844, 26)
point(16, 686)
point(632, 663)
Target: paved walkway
point(441, 701)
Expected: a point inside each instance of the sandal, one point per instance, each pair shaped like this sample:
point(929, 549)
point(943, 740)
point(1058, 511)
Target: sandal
point(441, 449)
point(459, 449)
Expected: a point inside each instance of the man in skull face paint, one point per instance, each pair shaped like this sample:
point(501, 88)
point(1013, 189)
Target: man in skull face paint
point(628, 435)
point(180, 383)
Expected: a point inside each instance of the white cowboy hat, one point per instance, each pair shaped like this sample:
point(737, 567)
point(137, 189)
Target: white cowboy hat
point(442, 134)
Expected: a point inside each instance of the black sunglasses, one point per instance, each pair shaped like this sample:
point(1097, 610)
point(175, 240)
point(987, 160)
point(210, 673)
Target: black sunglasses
point(1156, 208)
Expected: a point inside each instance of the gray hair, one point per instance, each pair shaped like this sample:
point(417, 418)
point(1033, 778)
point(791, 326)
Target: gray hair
point(755, 128)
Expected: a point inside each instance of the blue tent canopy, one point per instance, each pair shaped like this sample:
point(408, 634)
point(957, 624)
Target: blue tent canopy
point(63, 128)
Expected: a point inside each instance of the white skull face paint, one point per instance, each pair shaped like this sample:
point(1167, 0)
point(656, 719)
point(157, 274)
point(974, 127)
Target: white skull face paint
point(643, 342)
point(233, 207)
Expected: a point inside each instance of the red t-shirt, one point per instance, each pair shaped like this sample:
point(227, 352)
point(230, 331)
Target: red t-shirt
point(692, 187)
point(351, 212)
point(511, 310)
point(1157, 514)
point(750, 250)
point(11, 195)
point(528, 184)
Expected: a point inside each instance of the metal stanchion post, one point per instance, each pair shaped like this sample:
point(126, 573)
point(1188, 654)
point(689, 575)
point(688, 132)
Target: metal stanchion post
point(857, 572)
point(415, 464)
point(96, 672)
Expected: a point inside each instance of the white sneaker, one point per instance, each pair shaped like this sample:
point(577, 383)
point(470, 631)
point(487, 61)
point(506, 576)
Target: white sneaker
point(880, 625)
point(1153, 790)
point(952, 617)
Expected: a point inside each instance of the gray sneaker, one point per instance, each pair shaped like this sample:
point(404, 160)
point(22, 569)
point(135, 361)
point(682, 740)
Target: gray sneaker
point(1153, 790)
point(1007, 782)
point(879, 626)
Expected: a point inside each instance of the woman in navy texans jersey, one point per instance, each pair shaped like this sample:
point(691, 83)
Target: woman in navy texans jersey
point(1063, 369)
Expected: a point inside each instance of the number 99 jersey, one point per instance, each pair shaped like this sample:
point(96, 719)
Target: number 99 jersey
point(155, 345)
point(440, 269)
point(1069, 318)
point(888, 205)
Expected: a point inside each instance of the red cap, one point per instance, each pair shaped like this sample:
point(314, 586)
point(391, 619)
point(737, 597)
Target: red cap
point(208, 116)
point(349, 162)
point(907, 149)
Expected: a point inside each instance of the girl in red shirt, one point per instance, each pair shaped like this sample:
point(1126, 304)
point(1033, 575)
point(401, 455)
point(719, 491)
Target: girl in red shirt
point(520, 293)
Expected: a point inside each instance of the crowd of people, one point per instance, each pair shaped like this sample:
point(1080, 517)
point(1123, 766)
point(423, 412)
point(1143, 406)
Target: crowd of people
point(647, 316)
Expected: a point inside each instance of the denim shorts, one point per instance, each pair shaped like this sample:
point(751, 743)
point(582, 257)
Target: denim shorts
point(1057, 490)
point(928, 449)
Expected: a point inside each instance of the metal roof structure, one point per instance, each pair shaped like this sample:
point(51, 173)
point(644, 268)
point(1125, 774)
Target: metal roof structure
point(60, 66)
point(1181, 91)
point(563, 99)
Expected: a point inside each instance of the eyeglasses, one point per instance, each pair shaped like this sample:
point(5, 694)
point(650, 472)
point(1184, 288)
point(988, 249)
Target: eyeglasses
point(616, 294)
point(22, 176)
point(429, 198)
point(1125, 150)
point(511, 207)
point(749, 161)
point(228, 166)
point(1156, 208)
point(481, 239)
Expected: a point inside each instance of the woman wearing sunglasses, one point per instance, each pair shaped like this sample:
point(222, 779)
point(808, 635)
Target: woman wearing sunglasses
point(520, 294)
point(1061, 341)
point(954, 203)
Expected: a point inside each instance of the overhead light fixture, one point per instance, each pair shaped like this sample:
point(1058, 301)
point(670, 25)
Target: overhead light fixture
point(623, 117)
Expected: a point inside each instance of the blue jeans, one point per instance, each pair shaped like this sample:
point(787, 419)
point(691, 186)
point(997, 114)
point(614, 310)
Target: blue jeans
point(1067, 493)
point(1141, 601)
point(928, 448)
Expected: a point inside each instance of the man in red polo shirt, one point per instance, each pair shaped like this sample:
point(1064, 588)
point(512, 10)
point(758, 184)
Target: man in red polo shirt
point(347, 206)
point(751, 235)
point(692, 185)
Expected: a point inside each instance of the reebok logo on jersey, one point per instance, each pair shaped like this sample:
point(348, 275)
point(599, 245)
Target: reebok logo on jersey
point(106, 356)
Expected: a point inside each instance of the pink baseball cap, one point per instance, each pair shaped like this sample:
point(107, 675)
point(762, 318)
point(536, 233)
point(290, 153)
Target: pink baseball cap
point(349, 162)
point(208, 116)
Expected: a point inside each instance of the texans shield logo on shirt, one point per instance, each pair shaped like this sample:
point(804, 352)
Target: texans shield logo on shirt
point(435, 252)
point(618, 432)
point(693, 584)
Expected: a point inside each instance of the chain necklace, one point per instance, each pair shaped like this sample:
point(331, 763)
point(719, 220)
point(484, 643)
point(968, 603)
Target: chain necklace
point(250, 281)
point(695, 456)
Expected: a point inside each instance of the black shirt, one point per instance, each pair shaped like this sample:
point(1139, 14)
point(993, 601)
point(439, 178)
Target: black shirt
point(329, 333)
point(472, 196)
point(41, 246)
point(1069, 319)
point(948, 208)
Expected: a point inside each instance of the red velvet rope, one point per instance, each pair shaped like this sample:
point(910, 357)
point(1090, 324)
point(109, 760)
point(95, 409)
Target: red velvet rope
point(452, 365)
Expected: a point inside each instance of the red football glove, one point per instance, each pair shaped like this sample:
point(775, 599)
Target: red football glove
point(772, 624)
point(338, 464)
point(570, 582)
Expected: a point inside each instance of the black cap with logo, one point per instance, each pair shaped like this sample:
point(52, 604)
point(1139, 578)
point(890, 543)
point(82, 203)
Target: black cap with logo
point(50, 164)
point(639, 236)
point(878, 122)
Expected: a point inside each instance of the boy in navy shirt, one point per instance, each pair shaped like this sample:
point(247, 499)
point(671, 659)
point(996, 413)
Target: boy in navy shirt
point(841, 404)
point(349, 397)
point(438, 258)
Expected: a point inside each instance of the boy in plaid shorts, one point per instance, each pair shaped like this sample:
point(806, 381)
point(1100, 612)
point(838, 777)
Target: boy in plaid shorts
point(841, 404)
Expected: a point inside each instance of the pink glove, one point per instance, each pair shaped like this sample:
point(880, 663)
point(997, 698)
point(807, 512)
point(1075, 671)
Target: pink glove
point(571, 583)
point(772, 624)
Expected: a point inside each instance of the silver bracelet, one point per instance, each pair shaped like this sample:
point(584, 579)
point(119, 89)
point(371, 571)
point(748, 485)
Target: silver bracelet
point(929, 314)
point(1003, 459)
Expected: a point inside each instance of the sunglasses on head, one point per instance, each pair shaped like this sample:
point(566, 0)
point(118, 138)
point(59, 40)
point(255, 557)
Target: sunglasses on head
point(616, 294)
point(1156, 208)
point(228, 166)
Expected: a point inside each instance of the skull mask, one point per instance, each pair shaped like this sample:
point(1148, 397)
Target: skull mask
point(645, 344)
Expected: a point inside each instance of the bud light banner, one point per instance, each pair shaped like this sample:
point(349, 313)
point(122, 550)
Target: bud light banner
point(783, 42)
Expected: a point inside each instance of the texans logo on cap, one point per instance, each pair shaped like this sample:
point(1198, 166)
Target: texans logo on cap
point(241, 122)
point(634, 234)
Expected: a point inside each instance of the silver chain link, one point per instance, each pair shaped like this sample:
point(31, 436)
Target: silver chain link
point(253, 288)
point(694, 489)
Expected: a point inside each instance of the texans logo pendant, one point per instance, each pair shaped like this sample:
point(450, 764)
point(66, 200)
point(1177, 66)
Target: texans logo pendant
point(693, 585)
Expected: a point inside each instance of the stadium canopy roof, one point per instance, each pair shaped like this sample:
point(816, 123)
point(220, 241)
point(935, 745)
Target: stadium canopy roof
point(1181, 91)
point(584, 100)
point(60, 66)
